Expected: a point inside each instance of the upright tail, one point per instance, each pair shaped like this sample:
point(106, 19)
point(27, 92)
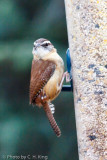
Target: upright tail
point(51, 119)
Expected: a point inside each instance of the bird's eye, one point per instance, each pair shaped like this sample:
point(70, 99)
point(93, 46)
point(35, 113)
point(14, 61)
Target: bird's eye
point(45, 44)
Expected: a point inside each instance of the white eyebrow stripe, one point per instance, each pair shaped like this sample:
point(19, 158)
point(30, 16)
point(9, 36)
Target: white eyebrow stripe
point(46, 42)
point(35, 43)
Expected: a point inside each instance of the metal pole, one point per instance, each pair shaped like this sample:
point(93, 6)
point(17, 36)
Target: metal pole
point(86, 23)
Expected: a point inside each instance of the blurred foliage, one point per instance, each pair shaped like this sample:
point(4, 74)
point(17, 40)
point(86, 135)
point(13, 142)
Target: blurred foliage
point(24, 129)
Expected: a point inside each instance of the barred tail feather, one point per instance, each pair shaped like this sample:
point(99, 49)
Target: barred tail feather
point(51, 119)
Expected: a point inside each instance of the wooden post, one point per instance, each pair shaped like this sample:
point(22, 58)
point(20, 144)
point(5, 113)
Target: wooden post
point(87, 32)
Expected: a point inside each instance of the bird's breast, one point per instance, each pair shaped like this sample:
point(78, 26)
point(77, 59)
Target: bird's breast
point(52, 88)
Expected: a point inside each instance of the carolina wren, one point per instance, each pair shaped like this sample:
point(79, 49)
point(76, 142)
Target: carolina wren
point(47, 75)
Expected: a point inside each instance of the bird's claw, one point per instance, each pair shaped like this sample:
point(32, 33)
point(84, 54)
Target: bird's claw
point(68, 78)
point(68, 73)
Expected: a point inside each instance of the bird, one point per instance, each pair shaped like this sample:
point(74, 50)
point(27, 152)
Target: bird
point(47, 76)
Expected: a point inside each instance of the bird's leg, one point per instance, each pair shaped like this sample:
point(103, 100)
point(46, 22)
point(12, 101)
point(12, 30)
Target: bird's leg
point(66, 74)
point(68, 77)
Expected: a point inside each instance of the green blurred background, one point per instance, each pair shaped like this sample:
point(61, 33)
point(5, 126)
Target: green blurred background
point(24, 129)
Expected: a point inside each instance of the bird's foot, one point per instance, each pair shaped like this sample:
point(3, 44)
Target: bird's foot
point(68, 77)
point(68, 73)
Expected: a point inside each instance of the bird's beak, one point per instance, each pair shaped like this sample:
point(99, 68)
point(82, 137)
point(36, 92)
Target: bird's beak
point(34, 48)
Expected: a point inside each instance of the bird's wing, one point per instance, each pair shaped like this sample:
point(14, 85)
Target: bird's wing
point(41, 72)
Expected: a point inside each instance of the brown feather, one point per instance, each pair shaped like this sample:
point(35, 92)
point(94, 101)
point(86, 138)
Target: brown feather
point(41, 72)
point(51, 119)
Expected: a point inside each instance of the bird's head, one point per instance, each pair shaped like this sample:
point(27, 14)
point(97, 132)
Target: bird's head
point(42, 47)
